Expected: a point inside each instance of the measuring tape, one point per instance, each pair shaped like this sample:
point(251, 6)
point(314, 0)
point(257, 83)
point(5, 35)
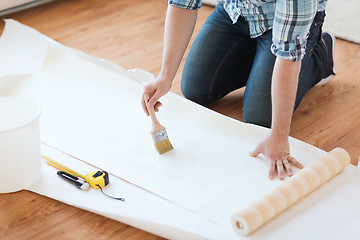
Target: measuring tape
point(97, 179)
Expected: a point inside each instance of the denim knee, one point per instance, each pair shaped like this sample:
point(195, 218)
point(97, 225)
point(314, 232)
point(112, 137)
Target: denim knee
point(190, 93)
point(257, 116)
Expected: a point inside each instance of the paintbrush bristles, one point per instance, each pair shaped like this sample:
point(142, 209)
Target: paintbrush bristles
point(163, 146)
point(161, 140)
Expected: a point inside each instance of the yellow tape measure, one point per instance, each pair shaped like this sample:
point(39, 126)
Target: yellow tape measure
point(97, 179)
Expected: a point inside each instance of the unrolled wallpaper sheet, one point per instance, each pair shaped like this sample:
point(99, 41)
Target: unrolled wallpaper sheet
point(91, 110)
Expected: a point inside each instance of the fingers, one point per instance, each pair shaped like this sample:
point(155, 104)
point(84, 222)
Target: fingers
point(287, 167)
point(157, 105)
point(152, 102)
point(154, 99)
point(145, 108)
point(283, 165)
point(272, 170)
point(143, 104)
point(280, 169)
point(255, 152)
point(296, 163)
point(154, 90)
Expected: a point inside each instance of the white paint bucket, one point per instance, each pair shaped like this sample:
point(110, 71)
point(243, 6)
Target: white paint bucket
point(20, 159)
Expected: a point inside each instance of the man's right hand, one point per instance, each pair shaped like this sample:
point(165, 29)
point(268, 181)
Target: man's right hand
point(155, 90)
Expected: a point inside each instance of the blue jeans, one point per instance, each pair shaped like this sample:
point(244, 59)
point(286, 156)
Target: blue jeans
point(224, 58)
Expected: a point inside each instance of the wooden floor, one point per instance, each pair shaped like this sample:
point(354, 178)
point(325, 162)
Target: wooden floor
point(130, 33)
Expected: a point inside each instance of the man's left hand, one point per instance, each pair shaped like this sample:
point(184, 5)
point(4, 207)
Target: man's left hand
point(277, 152)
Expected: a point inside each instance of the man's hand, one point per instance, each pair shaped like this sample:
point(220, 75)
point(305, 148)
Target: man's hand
point(155, 90)
point(277, 153)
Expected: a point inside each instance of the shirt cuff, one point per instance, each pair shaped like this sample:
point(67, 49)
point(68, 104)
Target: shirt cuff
point(187, 4)
point(290, 50)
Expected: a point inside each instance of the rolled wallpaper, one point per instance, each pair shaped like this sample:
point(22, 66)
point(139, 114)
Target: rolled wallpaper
point(289, 192)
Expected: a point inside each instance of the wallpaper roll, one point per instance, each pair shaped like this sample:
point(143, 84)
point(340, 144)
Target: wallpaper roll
point(293, 189)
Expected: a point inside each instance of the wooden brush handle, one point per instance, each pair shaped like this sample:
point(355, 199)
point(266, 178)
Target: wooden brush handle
point(156, 125)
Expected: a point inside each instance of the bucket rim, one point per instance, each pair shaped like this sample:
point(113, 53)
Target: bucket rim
point(34, 119)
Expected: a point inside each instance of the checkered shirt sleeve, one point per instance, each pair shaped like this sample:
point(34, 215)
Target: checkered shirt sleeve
point(187, 4)
point(292, 21)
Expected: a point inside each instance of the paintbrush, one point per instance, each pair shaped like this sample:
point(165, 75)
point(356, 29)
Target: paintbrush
point(158, 132)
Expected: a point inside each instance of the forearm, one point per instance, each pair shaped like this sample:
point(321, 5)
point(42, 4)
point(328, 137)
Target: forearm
point(284, 88)
point(179, 26)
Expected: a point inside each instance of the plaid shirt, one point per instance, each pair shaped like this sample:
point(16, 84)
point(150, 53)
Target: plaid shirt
point(290, 20)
